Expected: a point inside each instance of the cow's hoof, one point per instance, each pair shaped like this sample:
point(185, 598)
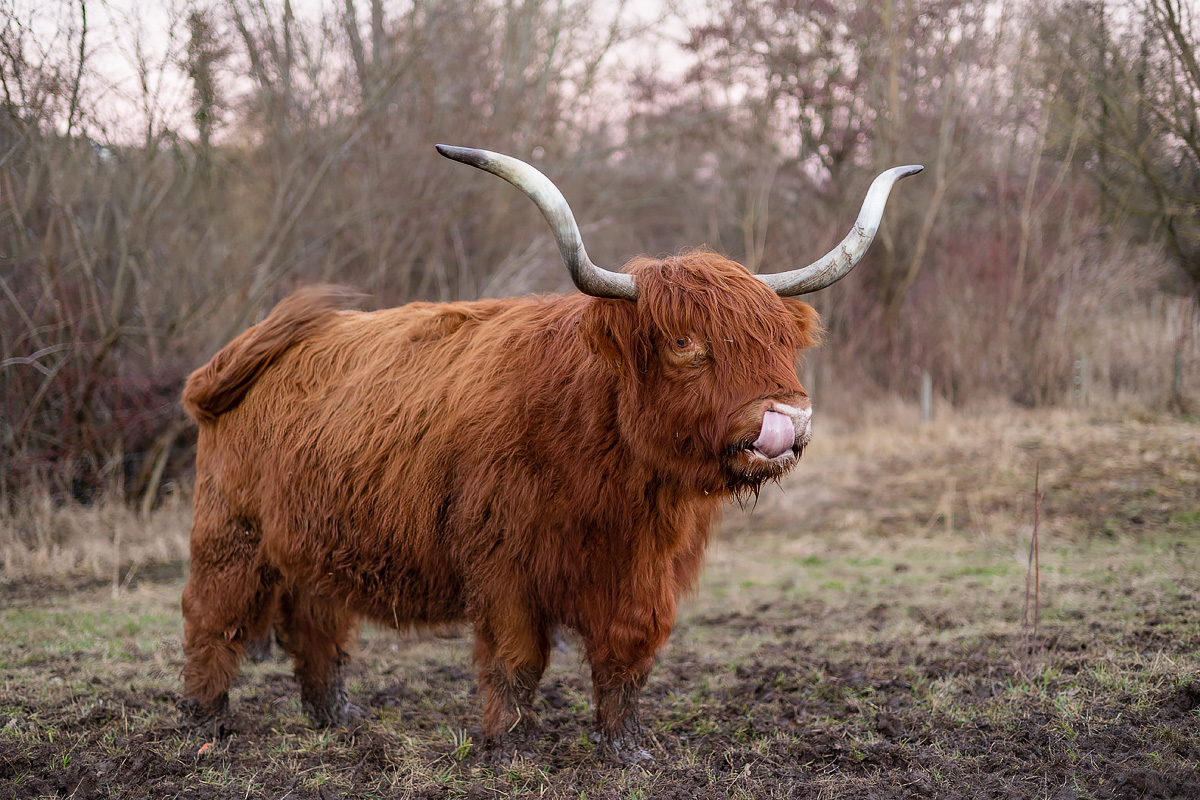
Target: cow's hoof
point(625, 751)
point(348, 715)
point(504, 754)
point(520, 741)
point(333, 709)
point(197, 714)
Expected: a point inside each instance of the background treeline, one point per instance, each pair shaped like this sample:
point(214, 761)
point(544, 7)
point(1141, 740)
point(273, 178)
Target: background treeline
point(1052, 245)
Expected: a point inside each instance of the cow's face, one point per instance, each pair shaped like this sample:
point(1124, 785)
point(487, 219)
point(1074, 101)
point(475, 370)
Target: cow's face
point(707, 358)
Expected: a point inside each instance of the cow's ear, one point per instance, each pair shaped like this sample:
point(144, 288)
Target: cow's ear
point(807, 322)
point(610, 329)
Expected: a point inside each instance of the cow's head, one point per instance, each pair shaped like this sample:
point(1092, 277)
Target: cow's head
point(706, 349)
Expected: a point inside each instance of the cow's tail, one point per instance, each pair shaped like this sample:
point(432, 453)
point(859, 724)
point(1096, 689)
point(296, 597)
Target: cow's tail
point(221, 384)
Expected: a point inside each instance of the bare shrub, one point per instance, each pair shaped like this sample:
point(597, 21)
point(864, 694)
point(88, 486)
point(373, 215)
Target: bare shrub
point(128, 263)
point(303, 153)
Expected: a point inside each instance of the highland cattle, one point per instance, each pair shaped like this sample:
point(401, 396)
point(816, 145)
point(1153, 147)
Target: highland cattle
point(519, 464)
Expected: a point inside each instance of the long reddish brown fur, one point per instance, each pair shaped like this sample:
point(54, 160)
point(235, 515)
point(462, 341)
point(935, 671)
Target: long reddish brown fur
point(521, 464)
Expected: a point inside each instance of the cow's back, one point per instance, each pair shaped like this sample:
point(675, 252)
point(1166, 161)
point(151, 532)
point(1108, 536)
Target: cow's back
point(349, 454)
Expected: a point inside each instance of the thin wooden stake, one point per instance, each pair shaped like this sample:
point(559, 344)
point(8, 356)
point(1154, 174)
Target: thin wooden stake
point(1028, 638)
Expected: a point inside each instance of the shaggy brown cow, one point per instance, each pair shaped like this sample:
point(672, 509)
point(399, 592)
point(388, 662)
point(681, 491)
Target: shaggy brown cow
point(522, 464)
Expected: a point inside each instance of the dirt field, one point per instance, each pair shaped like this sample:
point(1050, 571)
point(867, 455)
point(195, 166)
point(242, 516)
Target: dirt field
point(857, 634)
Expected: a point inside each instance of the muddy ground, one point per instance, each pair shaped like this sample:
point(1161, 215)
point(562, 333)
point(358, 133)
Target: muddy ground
point(857, 634)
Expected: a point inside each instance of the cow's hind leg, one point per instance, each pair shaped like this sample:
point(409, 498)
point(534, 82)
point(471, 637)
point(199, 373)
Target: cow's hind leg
point(315, 633)
point(227, 602)
point(259, 650)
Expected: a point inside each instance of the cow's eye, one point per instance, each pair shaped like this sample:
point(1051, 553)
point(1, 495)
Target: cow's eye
point(683, 342)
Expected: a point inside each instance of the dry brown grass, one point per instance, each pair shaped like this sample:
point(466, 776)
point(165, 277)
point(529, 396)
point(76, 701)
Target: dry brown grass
point(885, 472)
point(106, 539)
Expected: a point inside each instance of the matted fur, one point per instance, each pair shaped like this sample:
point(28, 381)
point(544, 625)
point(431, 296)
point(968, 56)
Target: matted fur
point(521, 464)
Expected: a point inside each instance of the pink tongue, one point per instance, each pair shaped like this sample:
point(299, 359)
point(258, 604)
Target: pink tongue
point(777, 436)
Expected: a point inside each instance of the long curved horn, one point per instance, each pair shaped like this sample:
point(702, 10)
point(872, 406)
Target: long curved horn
point(589, 278)
point(835, 264)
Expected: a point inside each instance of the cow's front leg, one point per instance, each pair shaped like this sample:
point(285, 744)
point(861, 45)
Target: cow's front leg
point(621, 649)
point(617, 720)
point(510, 668)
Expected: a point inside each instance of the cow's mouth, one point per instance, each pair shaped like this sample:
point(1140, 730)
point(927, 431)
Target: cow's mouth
point(786, 458)
point(776, 447)
point(748, 468)
point(754, 465)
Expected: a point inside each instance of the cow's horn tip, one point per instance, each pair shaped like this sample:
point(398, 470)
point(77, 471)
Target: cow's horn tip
point(467, 155)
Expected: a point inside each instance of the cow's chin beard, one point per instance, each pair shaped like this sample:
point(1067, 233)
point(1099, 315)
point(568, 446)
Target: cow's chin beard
point(747, 469)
